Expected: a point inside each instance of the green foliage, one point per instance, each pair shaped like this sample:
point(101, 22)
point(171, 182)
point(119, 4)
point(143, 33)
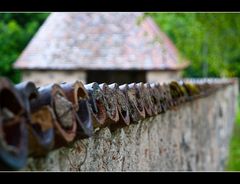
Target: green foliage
point(16, 30)
point(233, 163)
point(208, 40)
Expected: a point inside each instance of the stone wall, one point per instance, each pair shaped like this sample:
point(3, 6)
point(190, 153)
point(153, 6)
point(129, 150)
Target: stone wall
point(194, 136)
point(163, 76)
point(41, 78)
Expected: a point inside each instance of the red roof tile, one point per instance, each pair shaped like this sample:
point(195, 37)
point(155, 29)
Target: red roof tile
point(70, 41)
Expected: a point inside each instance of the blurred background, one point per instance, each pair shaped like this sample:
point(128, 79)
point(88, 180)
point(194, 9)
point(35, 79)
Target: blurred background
point(210, 41)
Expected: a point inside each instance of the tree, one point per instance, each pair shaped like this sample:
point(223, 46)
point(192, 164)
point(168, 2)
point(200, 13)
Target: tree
point(208, 40)
point(16, 30)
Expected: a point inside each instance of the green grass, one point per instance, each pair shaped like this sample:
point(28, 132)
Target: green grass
point(233, 163)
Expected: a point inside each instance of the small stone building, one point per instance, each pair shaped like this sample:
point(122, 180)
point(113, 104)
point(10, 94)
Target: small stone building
point(100, 47)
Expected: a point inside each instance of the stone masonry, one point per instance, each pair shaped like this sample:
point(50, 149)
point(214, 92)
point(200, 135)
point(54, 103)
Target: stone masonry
point(193, 137)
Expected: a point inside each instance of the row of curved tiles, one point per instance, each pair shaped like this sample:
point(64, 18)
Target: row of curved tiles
point(34, 121)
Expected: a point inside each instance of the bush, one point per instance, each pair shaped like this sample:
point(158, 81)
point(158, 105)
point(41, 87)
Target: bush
point(16, 30)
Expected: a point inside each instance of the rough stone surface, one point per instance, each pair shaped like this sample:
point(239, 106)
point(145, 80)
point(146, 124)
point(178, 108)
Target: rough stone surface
point(162, 76)
point(193, 136)
point(41, 78)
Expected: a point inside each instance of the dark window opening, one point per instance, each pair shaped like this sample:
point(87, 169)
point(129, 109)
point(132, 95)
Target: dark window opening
point(120, 77)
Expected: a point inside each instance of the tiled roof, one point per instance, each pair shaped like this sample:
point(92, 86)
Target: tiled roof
point(33, 121)
point(114, 41)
